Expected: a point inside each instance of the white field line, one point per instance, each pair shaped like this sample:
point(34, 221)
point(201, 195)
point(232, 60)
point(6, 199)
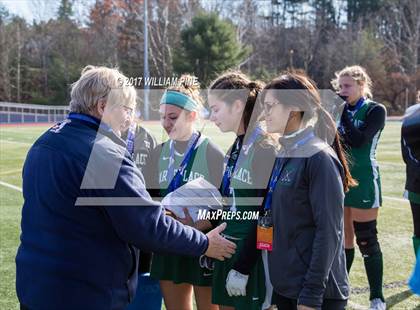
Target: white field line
point(395, 199)
point(11, 186)
point(6, 172)
point(388, 163)
point(15, 142)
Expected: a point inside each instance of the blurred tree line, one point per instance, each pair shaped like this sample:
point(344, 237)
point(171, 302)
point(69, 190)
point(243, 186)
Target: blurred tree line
point(40, 59)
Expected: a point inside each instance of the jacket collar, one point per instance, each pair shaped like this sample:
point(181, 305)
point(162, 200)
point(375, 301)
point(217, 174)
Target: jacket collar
point(97, 125)
point(290, 141)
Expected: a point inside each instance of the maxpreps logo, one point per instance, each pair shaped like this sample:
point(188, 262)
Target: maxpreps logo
point(224, 215)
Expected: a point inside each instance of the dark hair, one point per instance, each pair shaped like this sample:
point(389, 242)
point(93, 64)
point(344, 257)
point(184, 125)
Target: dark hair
point(308, 98)
point(236, 80)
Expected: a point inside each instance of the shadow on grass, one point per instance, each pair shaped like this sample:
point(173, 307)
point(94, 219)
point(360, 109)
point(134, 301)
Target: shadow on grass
point(397, 298)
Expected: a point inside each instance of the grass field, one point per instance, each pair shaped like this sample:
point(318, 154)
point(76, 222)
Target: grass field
point(395, 223)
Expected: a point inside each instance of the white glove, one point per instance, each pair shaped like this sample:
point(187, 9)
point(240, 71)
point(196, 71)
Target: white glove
point(236, 283)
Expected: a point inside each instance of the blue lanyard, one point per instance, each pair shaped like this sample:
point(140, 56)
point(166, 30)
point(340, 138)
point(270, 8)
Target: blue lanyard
point(131, 134)
point(90, 119)
point(279, 164)
point(227, 175)
point(357, 107)
point(278, 168)
point(352, 113)
point(176, 180)
point(225, 186)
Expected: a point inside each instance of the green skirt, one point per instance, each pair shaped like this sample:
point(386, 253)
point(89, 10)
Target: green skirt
point(414, 197)
point(180, 269)
point(367, 194)
point(255, 289)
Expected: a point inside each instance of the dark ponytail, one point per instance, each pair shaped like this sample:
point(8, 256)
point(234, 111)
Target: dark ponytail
point(253, 109)
point(236, 80)
point(325, 129)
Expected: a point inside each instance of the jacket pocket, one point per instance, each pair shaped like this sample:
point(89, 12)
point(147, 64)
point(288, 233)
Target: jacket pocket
point(131, 272)
point(337, 287)
point(133, 261)
point(303, 245)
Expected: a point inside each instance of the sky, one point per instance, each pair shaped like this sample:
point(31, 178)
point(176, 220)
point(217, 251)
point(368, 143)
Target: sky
point(43, 9)
point(19, 7)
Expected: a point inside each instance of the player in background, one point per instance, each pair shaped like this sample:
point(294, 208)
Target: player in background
point(410, 147)
point(360, 127)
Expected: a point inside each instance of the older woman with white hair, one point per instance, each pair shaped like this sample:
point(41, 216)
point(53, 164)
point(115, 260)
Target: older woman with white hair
point(86, 211)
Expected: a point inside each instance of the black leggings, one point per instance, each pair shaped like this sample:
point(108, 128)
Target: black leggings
point(415, 209)
point(284, 303)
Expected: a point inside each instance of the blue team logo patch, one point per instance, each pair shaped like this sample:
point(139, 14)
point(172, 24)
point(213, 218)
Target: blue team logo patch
point(288, 175)
point(358, 123)
point(57, 127)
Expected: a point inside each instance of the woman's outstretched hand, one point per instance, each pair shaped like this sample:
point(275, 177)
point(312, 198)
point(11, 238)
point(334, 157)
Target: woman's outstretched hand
point(219, 247)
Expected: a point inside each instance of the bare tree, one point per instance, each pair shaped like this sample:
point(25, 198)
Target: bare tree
point(5, 87)
point(43, 10)
point(399, 27)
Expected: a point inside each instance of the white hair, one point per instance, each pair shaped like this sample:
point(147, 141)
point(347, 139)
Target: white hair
point(97, 83)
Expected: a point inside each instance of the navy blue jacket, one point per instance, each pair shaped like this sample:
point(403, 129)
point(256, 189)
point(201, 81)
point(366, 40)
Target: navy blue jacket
point(79, 233)
point(410, 148)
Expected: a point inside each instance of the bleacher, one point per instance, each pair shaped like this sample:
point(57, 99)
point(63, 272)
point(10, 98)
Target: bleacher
point(12, 113)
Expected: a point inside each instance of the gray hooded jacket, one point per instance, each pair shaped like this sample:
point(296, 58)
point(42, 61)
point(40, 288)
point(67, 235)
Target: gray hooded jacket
point(308, 259)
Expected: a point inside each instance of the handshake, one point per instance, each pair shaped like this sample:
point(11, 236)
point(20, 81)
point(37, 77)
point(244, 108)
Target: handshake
point(200, 194)
point(219, 247)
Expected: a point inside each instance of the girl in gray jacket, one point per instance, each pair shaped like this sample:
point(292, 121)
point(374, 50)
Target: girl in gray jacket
point(304, 205)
